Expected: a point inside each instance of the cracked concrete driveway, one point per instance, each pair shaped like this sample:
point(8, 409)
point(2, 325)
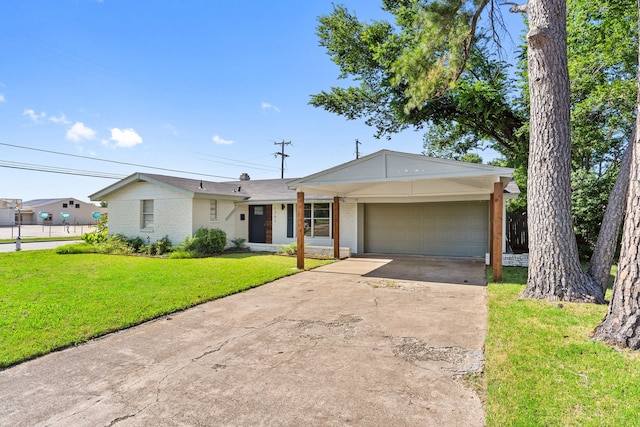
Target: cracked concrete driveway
point(351, 343)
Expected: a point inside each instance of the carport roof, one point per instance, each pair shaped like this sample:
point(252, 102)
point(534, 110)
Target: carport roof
point(393, 174)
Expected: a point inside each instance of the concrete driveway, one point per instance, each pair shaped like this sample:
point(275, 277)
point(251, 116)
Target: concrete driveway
point(351, 343)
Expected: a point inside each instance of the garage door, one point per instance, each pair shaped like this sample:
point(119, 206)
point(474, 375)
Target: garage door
point(446, 229)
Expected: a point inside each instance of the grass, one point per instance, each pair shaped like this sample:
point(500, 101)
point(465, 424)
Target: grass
point(542, 368)
point(50, 301)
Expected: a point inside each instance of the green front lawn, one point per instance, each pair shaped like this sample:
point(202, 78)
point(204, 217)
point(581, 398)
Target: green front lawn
point(50, 301)
point(542, 368)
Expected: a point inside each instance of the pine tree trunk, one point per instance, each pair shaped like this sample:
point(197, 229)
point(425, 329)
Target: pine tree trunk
point(621, 326)
point(555, 272)
point(603, 253)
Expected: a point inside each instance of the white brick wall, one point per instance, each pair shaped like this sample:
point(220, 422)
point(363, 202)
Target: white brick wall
point(225, 218)
point(171, 210)
point(348, 225)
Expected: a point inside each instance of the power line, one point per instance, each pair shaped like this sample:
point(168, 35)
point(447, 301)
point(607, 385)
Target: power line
point(237, 163)
point(112, 161)
point(282, 155)
point(64, 171)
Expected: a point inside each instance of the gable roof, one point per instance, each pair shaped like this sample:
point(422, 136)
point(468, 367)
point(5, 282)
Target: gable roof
point(389, 173)
point(42, 202)
point(186, 186)
point(382, 174)
point(253, 191)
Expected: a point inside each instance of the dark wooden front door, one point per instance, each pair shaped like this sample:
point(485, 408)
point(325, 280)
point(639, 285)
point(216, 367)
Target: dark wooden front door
point(258, 218)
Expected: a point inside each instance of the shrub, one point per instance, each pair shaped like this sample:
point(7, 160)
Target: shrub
point(100, 234)
point(162, 246)
point(77, 248)
point(96, 236)
point(290, 249)
point(136, 243)
point(238, 244)
point(206, 241)
point(181, 253)
point(115, 245)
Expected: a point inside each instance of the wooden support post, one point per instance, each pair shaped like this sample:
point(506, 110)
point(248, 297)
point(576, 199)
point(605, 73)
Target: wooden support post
point(336, 227)
point(496, 228)
point(300, 229)
point(491, 230)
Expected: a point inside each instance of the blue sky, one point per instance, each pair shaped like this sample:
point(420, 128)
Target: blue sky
point(204, 86)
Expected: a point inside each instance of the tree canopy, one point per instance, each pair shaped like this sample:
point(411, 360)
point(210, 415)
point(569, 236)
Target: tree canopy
point(396, 80)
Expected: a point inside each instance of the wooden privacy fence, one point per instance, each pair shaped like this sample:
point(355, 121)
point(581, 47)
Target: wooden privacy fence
point(517, 232)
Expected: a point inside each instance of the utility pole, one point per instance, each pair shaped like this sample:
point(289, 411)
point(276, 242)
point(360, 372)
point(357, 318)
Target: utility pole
point(357, 150)
point(282, 155)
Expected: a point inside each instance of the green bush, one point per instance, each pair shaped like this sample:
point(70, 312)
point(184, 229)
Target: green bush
point(162, 246)
point(100, 234)
point(181, 253)
point(77, 248)
point(115, 245)
point(136, 243)
point(238, 244)
point(206, 242)
point(290, 249)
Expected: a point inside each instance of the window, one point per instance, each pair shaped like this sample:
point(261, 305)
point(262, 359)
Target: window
point(77, 205)
point(213, 210)
point(147, 214)
point(64, 205)
point(289, 220)
point(317, 219)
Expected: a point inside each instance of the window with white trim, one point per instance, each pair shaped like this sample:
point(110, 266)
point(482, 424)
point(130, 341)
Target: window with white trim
point(213, 210)
point(146, 219)
point(317, 219)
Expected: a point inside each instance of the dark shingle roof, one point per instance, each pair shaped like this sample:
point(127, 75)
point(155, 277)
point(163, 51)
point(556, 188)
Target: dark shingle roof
point(264, 190)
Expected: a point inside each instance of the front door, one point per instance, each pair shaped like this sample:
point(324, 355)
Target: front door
point(258, 224)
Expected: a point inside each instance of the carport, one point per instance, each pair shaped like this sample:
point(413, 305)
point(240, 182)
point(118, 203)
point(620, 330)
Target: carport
point(414, 205)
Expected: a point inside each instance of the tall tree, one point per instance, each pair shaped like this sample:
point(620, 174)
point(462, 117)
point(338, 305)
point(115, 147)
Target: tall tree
point(602, 50)
point(605, 248)
point(431, 68)
point(385, 61)
point(554, 268)
point(621, 326)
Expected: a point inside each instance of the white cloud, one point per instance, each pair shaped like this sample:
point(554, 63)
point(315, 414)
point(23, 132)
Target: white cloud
point(2, 98)
point(35, 117)
point(62, 119)
point(171, 129)
point(219, 140)
point(126, 138)
point(266, 106)
point(79, 132)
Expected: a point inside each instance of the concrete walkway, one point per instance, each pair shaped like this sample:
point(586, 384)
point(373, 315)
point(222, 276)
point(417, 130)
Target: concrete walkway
point(330, 347)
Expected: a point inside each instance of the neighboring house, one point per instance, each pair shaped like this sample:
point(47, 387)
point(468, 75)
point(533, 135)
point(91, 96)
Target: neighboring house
point(59, 211)
point(8, 209)
point(387, 202)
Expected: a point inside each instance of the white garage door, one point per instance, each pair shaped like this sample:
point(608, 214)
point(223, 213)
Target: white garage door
point(446, 229)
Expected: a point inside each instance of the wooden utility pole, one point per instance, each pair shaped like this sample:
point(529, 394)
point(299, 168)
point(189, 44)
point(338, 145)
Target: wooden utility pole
point(282, 155)
point(357, 149)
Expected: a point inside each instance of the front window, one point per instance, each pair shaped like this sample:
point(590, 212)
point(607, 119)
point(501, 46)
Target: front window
point(317, 219)
point(213, 210)
point(147, 214)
